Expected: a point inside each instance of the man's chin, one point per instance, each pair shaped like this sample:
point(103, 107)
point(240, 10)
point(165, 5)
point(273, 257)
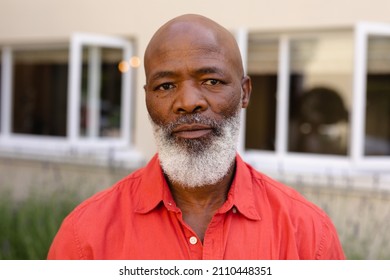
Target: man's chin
point(194, 145)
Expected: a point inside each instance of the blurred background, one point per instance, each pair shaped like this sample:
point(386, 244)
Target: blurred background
point(73, 119)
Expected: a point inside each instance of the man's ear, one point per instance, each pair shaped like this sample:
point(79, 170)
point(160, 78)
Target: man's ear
point(246, 89)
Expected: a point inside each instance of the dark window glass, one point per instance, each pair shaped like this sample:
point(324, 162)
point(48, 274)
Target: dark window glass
point(320, 94)
point(377, 128)
point(261, 113)
point(1, 96)
point(40, 82)
point(102, 87)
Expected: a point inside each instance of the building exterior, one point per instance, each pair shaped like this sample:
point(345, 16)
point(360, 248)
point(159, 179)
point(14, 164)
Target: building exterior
point(72, 83)
point(72, 112)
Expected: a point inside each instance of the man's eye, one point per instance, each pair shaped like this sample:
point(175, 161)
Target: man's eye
point(212, 82)
point(166, 86)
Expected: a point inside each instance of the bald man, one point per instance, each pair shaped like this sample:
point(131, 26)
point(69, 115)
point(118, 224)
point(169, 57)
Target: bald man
point(196, 198)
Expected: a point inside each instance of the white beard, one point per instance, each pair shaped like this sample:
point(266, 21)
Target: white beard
point(198, 162)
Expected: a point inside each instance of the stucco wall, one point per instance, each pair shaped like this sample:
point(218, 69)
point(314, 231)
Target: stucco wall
point(361, 216)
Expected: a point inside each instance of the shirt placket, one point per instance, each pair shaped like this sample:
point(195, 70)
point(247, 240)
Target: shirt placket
point(213, 245)
point(193, 243)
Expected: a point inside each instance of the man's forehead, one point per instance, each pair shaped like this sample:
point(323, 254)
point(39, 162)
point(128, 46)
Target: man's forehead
point(187, 50)
point(179, 39)
point(198, 71)
point(191, 36)
point(176, 68)
point(188, 55)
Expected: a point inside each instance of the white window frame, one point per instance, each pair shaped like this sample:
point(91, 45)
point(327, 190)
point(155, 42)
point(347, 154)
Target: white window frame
point(362, 32)
point(73, 145)
point(242, 41)
point(78, 41)
point(283, 161)
point(6, 78)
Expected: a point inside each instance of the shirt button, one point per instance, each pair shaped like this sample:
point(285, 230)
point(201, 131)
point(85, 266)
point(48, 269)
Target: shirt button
point(234, 210)
point(193, 240)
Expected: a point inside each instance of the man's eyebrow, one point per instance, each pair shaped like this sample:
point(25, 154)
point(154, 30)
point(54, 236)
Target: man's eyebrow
point(201, 71)
point(162, 74)
point(210, 70)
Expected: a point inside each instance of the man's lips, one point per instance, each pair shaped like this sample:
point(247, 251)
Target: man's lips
point(191, 131)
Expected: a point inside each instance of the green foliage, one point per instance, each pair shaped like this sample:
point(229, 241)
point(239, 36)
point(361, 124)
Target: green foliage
point(28, 226)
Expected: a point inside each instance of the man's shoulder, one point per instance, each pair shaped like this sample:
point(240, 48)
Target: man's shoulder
point(281, 194)
point(124, 195)
point(120, 193)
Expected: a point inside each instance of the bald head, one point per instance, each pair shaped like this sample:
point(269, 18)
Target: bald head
point(193, 64)
point(193, 30)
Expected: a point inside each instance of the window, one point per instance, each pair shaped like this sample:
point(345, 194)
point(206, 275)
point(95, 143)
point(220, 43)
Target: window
point(68, 99)
point(370, 120)
point(100, 112)
point(377, 111)
point(320, 100)
point(261, 112)
point(302, 92)
point(40, 79)
point(100, 106)
point(5, 77)
point(320, 91)
point(1, 87)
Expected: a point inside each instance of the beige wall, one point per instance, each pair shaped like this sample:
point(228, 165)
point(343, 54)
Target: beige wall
point(354, 213)
point(20, 18)
point(41, 20)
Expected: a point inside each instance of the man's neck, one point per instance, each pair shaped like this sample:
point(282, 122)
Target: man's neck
point(199, 204)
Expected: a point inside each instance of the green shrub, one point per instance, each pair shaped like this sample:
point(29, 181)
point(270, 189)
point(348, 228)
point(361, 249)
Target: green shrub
point(28, 226)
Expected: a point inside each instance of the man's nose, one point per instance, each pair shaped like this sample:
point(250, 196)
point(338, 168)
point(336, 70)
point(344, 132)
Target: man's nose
point(189, 99)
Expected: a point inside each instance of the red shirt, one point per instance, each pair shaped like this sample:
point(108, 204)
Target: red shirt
point(137, 219)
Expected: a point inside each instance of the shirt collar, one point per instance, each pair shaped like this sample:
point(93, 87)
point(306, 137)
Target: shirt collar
point(154, 189)
point(241, 193)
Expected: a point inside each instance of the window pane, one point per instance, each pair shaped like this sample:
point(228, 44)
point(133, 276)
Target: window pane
point(40, 82)
point(101, 92)
point(377, 130)
point(1, 96)
point(320, 94)
point(261, 113)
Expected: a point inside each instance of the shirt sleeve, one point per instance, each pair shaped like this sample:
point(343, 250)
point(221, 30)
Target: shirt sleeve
point(330, 247)
point(65, 245)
